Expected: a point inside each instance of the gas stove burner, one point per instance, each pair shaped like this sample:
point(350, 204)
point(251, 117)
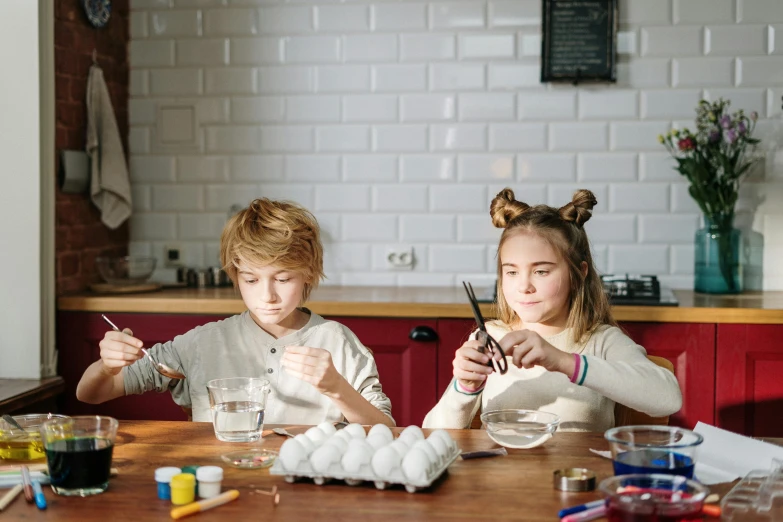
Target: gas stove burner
point(632, 289)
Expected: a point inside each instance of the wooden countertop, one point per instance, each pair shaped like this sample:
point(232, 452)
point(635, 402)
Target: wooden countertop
point(436, 302)
point(18, 393)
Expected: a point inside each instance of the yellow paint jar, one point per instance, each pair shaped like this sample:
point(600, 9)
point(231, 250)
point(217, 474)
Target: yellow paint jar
point(183, 489)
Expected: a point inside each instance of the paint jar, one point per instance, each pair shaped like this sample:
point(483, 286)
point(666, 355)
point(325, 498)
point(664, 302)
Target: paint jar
point(183, 489)
point(192, 471)
point(209, 478)
point(163, 478)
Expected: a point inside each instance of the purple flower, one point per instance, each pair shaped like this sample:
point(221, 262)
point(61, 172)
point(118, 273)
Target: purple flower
point(714, 135)
point(725, 121)
point(731, 136)
point(754, 116)
point(741, 129)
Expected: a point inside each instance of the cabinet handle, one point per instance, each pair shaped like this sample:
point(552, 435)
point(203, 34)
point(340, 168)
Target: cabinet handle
point(423, 334)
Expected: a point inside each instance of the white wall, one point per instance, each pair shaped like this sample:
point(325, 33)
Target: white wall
point(398, 121)
point(20, 308)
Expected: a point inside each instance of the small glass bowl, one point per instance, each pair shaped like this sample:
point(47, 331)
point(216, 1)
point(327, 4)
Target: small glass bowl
point(127, 270)
point(250, 458)
point(653, 497)
point(28, 446)
point(522, 429)
point(653, 449)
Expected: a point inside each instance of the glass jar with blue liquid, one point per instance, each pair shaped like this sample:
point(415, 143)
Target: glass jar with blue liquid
point(653, 449)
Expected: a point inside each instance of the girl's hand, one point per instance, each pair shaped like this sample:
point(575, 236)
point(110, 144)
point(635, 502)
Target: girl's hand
point(313, 365)
point(119, 349)
point(528, 349)
point(470, 365)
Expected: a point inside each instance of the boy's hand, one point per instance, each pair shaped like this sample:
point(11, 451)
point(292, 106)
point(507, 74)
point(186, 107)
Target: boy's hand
point(470, 365)
point(119, 349)
point(528, 349)
point(313, 365)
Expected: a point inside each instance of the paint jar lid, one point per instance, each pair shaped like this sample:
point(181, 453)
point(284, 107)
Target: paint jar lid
point(190, 469)
point(165, 474)
point(183, 480)
point(209, 474)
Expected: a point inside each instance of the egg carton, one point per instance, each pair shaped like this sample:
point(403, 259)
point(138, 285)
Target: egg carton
point(758, 496)
point(405, 461)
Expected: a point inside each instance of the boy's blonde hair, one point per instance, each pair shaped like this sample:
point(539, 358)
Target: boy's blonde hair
point(562, 228)
point(276, 233)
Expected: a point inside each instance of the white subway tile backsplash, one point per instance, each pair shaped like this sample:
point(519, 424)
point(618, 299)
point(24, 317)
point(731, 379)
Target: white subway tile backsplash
point(703, 72)
point(485, 167)
point(672, 41)
point(477, 229)
point(141, 197)
point(369, 108)
point(645, 73)
point(399, 198)
point(347, 256)
point(458, 198)
point(138, 25)
point(258, 109)
point(615, 167)
point(425, 279)
point(672, 228)
point(390, 78)
point(627, 42)
point(369, 227)
point(259, 50)
point(775, 39)
point(700, 12)
point(530, 193)
point(518, 136)
point(462, 137)
point(230, 81)
point(611, 228)
point(202, 225)
point(141, 111)
point(486, 107)
point(211, 110)
point(637, 135)
point(608, 105)
point(529, 45)
point(682, 259)
point(343, 138)
point(232, 139)
point(546, 105)
point(635, 197)
point(427, 46)
point(487, 46)
point(344, 198)
point(457, 15)
point(399, 17)
point(139, 140)
point(399, 138)
point(343, 78)
point(208, 169)
point(202, 52)
point(230, 22)
point(342, 18)
point(152, 169)
point(152, 226)
point(371, 48)
point(139, 83)
point(746, 99)
point(370, 168)
point(656, 12)
point(427, 227)
point(669, 103)
point(311, 49)
point(760, 71)
point(298, 193)
point(760, 11)
point(430, 168)
point(175, 23)
point(734, 40)
point(256, 168)
point(578, 136)
point(638, 259)
point(427, 107)
point(173, 82)
point(303, 168)
point(461, 76)
point(151, 53)
point(368, 279)
point(221, 197)
point(561, 193)
point(286, 80)
point(174, 198)
point(457, 258)
point(290, 19)
point(514, 13)
point(657, 166)
point(504, 76)
point(304, 109)
point(287, 139)
point(549, 167)
point(682, 200)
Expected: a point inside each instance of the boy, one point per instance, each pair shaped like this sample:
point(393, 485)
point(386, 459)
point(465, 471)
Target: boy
point(318, 370)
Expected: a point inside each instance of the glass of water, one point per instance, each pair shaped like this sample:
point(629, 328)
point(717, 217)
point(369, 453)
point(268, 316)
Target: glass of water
point(237, 406)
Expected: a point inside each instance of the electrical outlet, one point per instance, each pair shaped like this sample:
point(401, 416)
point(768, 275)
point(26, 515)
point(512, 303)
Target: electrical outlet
point(172, 256)
point(400, 258)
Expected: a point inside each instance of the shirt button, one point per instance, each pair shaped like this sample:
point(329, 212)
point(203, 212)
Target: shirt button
point(270, 370)
point(274, 350)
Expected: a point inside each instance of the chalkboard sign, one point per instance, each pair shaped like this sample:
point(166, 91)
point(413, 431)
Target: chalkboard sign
point(579, 40)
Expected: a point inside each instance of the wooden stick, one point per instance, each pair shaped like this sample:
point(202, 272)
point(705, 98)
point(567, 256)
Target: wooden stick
point(10, 496)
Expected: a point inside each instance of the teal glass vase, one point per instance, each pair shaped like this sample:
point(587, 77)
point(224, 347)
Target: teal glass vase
point(718, 269)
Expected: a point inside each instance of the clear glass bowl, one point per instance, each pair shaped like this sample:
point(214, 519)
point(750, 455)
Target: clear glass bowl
point(653, 497)
point(653, 449)
point(27, 445)
point(127, 270)
point(519, 428)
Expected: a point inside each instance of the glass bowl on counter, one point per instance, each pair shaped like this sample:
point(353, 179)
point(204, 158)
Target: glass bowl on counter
point(522, 429)
point(125, 270)
point(653, 449)
point(24, 446)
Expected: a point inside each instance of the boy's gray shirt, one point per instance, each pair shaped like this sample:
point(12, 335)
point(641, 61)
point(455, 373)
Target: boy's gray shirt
point(238, 347)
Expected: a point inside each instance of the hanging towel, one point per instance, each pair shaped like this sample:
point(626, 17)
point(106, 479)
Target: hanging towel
point(109, 185)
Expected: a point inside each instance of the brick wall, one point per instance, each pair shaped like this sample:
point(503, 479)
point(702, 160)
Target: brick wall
point(80, 235)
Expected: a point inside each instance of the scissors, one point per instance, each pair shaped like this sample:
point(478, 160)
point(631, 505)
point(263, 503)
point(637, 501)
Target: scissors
point(490, 344)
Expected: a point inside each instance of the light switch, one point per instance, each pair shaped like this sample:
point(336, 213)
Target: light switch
point(177, 127)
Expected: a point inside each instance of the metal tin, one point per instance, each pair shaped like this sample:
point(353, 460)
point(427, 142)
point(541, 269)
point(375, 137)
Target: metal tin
point(574, 479)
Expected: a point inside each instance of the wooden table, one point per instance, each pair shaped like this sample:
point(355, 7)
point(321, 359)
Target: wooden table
point(16, 394)
point(513, 487)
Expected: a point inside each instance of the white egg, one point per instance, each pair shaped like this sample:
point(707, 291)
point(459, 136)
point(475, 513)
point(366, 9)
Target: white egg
point(344, 435)
point(424, 446)
point(306, 443)
point(412, 434)
point(328, 428)
point(360, 443)
point(324, 457)
point(446, 438)
point(382, 430)
point(356, 431)
point(316, 435)
point(356, 457)
point(291, 454)
point(439, 446)
point(377, 441)
point(415, 465)
point(400, 446)
point(338, 443)
point(385, 461)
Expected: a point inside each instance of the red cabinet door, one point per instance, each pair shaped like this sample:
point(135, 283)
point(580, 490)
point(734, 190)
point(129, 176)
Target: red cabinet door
point(691, 348)
point(749, 383)
point(407, 368)
point(452, 333)
point(78, 335)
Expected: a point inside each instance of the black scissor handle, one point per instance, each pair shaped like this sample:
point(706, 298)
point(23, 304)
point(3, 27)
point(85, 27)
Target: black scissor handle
point(494, 346)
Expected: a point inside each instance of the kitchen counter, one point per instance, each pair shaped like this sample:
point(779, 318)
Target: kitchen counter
point(437, 302)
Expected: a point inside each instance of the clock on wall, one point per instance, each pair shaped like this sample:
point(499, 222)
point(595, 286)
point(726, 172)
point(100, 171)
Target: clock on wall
point(97, 11)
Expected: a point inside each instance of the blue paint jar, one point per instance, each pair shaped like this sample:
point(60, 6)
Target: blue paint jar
point(163, 478)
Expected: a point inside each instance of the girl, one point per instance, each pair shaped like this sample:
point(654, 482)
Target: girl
point(566, 354)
